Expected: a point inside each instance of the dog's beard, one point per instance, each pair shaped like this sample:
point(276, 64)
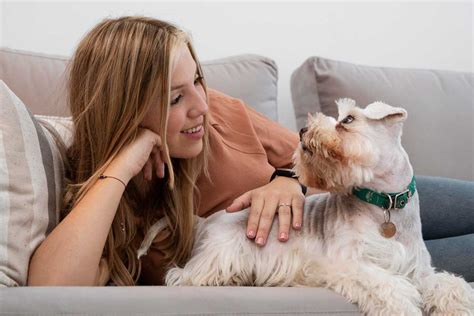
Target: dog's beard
point(332, 164)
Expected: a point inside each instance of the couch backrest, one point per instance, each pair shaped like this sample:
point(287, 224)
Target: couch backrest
point(39, 80)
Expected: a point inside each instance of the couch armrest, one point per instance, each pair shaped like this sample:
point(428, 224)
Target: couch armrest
point(147, 300)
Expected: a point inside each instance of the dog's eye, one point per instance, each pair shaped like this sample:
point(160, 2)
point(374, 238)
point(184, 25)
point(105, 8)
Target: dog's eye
point(348, 119)
point(302, 132)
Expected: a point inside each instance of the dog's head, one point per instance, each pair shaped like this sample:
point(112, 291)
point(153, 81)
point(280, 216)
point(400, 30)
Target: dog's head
point(337, 155)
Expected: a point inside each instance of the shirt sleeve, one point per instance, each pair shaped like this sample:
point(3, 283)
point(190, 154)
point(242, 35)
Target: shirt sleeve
point(279, 142)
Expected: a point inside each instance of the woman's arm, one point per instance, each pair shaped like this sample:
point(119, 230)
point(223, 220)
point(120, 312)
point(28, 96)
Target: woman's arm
point(70, 255)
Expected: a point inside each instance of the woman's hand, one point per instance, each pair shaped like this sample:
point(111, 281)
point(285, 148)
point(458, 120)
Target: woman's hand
point(283, 195)
point(142, 154)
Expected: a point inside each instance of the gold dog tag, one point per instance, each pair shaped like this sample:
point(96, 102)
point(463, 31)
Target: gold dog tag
point(388, 229)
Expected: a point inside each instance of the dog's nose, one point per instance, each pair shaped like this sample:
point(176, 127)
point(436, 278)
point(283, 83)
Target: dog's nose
point(302, 132)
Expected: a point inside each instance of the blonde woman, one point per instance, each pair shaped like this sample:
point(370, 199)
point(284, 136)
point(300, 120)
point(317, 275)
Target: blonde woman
point(151, 141)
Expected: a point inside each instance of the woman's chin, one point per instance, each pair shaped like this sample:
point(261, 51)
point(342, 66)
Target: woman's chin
point(186, 152)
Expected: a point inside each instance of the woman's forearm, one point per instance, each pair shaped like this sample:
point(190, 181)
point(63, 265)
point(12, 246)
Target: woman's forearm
point(70, 255)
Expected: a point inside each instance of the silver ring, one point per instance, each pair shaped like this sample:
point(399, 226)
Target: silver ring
point(284, 204)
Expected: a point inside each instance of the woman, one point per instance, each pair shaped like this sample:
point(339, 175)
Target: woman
point(151, 141)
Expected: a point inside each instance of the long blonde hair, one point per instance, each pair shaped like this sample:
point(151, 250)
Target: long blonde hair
point(120, 68)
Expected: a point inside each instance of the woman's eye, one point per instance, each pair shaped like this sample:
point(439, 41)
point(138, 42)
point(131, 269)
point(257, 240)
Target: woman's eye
point(198, 80)
point(348, 119)
point(176, 100)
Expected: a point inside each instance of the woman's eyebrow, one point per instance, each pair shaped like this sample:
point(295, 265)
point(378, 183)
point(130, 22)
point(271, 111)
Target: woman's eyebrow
point(178, 87)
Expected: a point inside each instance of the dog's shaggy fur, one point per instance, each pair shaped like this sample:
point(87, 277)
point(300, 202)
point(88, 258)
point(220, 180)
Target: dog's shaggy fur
point(340, 246)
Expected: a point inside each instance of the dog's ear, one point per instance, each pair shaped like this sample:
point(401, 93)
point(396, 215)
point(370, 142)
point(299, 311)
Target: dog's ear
point(380, 110)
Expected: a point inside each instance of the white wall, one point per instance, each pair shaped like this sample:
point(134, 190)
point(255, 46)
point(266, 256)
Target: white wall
point(398, 34)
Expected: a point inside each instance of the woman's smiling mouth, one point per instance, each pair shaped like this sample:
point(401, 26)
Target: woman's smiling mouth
point(195, 133)
point(193, 130)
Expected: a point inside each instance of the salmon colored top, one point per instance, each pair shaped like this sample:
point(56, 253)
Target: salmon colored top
point(245, 149)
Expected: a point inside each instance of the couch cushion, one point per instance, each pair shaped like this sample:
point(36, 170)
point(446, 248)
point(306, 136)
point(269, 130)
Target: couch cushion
point(37, 79)
point(438, 134)
point(251, 78)
point(30, 186)
point(446, 207)
point(40, 79)
point(453, 254)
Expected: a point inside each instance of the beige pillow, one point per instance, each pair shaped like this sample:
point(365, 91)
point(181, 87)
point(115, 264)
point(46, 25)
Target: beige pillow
point(31, 184)
point(39, 80)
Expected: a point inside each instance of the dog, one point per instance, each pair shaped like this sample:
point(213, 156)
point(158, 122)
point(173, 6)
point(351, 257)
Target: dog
point(356, 240)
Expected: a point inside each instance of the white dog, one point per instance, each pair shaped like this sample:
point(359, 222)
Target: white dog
point(356, 241)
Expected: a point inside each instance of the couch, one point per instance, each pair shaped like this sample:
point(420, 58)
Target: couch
point(448, 221)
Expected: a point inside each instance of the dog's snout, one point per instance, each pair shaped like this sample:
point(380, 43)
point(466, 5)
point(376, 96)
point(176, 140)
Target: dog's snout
point(302, 132)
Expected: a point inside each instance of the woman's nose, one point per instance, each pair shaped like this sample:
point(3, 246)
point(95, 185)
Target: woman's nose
point(199, 104)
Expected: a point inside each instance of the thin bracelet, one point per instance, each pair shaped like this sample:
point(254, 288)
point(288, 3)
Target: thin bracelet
point(101, 177)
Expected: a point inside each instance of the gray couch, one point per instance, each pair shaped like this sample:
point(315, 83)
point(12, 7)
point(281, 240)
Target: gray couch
point(448, 226)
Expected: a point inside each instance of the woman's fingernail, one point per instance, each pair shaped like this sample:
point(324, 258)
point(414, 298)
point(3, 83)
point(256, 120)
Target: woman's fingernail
point(251, 234)
point(283, 236)
point(298, 225)
point(260, 241)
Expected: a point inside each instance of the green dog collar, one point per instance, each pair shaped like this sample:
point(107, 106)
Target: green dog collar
point(384, 200)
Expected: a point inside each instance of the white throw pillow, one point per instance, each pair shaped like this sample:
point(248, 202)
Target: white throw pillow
point(31, 185)
point(62, 125)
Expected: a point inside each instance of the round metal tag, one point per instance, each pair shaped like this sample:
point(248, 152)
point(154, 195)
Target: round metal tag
point(388, 229)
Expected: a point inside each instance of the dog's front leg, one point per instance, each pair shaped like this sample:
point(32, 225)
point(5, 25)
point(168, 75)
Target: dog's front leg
point(375, 290)
point(446, 294)
point(442, 293)
point(215, 264)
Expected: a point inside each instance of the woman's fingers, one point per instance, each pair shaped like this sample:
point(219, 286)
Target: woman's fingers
point(158, 163)
point(266, 220)
point(284, 219)
point(147, 170)
point(156, 160)
point(256, 209)
point(282, 196)
point(240, 203)
point(297, 204)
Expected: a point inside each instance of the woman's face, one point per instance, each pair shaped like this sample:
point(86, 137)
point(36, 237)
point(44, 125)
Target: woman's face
point(187, 109)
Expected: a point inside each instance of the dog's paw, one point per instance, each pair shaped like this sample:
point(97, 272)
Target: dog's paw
point(408, 309)
point(174, 277)
point(446, 294)
point(397, 296)
point(395, 305)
